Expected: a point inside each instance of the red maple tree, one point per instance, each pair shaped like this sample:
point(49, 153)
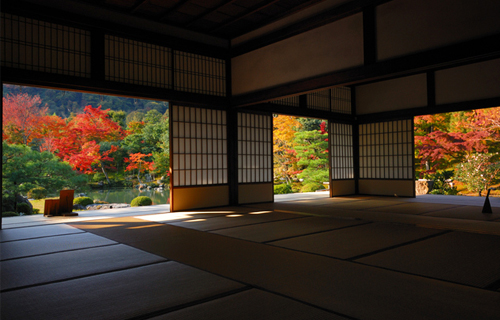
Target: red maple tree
point(22, 117)
point(80, 144)
point(441, 140)
point(137, 161)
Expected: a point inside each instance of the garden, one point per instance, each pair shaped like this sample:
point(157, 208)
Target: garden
point(118, 150)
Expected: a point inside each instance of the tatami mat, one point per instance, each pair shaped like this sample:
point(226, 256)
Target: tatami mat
point(115, 295)
point(234, 220)
point(467, 258)
point(346, 288)
point(357, 240)
point(70, 264)
point(286, 228)
point(36, 232)
point(467, 212)
point(25, 248)
point(414, 208)
point(250, 305)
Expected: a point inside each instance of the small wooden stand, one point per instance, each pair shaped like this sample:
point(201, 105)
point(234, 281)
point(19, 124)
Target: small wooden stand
point(62, 206)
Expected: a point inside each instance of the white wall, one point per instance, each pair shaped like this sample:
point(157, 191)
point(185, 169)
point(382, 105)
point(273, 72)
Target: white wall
point(470, 82)
point(411, 26)
point(390, 95)
point(333, 47)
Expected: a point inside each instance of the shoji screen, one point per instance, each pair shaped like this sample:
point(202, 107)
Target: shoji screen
point(341, 159)
point(255, 158)
point(36, 45)
point(198, 158)
point(386, 158)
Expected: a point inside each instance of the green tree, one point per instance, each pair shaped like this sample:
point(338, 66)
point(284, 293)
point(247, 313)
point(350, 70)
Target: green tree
point(134, 116)
point(479, 171)
point(118, 117)
point(24, 169)
point(312, 151)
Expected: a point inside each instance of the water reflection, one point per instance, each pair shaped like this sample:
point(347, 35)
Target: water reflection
point(125, 195)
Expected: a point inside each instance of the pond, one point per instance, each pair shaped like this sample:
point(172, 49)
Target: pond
point(125, 195)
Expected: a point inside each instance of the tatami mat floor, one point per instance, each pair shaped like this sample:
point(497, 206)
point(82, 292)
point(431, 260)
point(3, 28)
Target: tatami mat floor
point(342, 258)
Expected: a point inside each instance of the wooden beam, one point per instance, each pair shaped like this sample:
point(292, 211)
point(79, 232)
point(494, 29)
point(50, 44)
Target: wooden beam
point(46, 14)
point(206, 13)
point(270, 107)
point(442, 108)
point(454, 55)
point(335, 14)
point(282, 15)
point(174, 8)
point(137, 6)
point(250, 11)
point(63, 82)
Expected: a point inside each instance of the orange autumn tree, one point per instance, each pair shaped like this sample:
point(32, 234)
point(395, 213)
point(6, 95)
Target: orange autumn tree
point(22, 117)
point(284, 155)
point(52, 128)
point(137, 161)
point(80, 145)
point(443, 140)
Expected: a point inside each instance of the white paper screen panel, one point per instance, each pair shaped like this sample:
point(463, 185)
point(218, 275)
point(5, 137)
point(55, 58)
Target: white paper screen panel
point(341, 151)
point(386, 150)
point(199, 146)
point(255, 148)
point(36, 45)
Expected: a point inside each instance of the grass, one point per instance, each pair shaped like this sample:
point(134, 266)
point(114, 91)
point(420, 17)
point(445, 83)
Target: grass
point(39, 204)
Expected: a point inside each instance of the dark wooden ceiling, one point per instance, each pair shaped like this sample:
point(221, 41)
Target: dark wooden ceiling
point(222, 18)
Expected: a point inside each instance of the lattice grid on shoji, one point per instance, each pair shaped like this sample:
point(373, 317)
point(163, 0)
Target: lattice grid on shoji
point(36, 45)
point(289, 101)
point(341, 150)
point(199, 74)
point(255, 148)
point(336, 99)
point(199, 146)
point(386, 150)
point(137, 62)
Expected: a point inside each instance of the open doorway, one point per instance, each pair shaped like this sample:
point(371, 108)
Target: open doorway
point(458, 153)
point(108, 149)
point(300, 154)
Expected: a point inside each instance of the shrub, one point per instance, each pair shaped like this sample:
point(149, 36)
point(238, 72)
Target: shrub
point(311, 187)
point(98, 177)
point(24, 208)
point(83, 201)
point(37, 193)
point(282, 188)
point(100, 202)
point(141, 201)
point(36, 211)
point(9, 214)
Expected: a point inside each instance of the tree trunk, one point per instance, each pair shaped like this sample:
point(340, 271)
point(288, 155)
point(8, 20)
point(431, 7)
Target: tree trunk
point(105, 174)
point(138, 173)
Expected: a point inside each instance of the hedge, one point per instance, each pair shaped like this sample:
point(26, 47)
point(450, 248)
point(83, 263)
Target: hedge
point(83, 201)
point(141, 201)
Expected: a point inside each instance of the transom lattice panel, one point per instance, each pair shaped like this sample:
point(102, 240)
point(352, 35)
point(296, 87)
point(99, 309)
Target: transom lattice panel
point(386, 150)
point(199, 74)
point(137, 62)
point(288, 101)
point(341, 150)
point(36, 45)
point(336, 99)
point(199, 146)
point(255, 148)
